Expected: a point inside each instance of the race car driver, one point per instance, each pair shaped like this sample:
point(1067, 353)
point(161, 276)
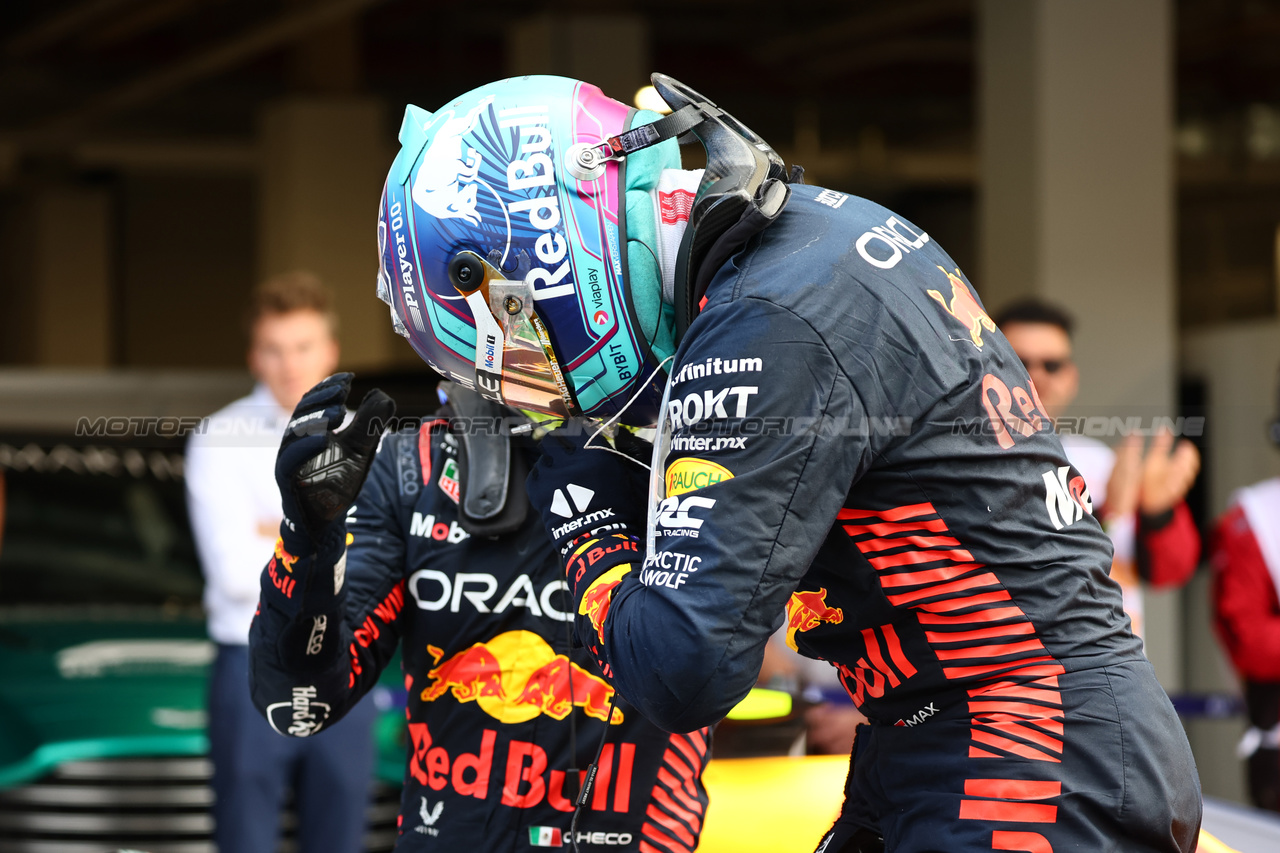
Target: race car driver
point(440, 557)
point(846, 443)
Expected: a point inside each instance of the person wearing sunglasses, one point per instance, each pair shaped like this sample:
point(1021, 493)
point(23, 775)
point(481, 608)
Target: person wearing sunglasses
point(846, 449)
point(1140, 497)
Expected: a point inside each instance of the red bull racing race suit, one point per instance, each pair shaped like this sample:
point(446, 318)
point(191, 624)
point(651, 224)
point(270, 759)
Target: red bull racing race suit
point(855, 449)
point(497, 704)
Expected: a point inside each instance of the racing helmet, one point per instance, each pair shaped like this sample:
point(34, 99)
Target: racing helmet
point(516, 233)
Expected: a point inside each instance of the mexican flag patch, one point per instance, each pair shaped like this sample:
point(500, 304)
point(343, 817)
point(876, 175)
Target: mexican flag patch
point(545, 836)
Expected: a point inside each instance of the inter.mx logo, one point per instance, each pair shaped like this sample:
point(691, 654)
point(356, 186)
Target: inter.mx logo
point(578, 500)
point(581, 500)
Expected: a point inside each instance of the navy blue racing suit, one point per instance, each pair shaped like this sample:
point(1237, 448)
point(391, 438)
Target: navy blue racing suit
point(496, 700)
point(856, 451)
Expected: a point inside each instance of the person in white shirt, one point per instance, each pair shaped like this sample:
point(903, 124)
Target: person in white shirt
point(234, 505)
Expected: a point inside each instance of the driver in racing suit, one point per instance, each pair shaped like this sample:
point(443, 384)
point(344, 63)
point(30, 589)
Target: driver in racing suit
point(501, 714)
point(846, 445)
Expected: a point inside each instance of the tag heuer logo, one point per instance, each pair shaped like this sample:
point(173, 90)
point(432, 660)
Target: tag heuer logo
point(581, 500)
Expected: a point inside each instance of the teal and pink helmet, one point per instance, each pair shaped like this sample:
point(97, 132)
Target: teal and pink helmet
point(516, 236)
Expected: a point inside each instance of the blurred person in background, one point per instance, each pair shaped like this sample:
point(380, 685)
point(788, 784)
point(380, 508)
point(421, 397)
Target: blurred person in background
point(1245, 556)
point(235, 512)
point(1139, 498)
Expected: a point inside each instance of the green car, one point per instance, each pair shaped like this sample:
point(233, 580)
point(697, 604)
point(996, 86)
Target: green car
point(103, 650)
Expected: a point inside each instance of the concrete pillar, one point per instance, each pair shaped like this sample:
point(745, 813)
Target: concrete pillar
point(323, 164)
point(1077, 183)
point(59, 266)
point(611, 51)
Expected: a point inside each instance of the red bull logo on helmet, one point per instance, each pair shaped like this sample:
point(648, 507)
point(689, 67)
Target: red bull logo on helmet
point(515, 677)
point(807, 610)
point(964, 307)
point(445, 184)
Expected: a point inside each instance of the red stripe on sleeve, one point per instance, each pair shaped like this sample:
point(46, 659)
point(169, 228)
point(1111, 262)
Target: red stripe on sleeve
point(1021, 842)
point(990, 614)
point(1025, 709)
point(686, 749)
point(673, 785)
point(954, 672)
point(1008, 812)
point(942, 573)
point(1020, 729)
point(980, 633)
point(1012, 789)
point(671, 825)
point(936, 525)
point(896, 514)
point(984, 579)
point(1020, 691)
point(997, 742)
point(969, 601)
point(870, 546)
point(992, 651)
point(661, 798)
point(910, 558)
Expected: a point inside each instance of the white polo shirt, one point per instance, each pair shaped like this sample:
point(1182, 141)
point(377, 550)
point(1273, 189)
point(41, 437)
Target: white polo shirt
point(234, 506)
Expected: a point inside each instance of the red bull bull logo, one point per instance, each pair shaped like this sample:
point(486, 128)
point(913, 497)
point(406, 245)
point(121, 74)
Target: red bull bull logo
point(807, 610)
point(286, 560)
point(515, 677)
point(965, 308)
point(596, 600)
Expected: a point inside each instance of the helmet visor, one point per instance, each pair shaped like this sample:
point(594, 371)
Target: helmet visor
point(515, 364)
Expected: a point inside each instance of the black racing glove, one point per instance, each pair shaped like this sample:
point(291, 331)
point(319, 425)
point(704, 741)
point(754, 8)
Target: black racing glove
point(593, 504)
point(320, 472)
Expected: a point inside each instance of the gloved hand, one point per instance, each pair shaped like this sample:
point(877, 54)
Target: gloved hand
point(588, 493)
point(320, 471)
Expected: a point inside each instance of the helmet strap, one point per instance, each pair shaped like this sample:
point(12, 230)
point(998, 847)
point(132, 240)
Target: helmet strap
point(491, 495)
